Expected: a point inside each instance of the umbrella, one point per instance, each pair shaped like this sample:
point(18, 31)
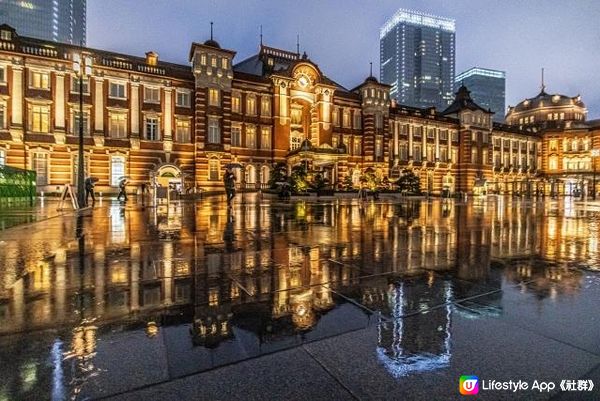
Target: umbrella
point(233, 165)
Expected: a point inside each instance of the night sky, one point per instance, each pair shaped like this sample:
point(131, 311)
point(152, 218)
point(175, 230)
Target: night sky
point(342, 36)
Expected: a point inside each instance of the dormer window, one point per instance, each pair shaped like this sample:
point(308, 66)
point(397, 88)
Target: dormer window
point(5, 34)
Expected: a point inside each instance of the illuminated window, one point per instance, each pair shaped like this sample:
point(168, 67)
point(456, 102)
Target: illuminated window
point(38, 118)
point(484, 156)
point(357, 146)
point(40, 166)
point(224, 63)
point(214, 130)
point(75, 85)
point(431, 133)
point(183, 99)
point(336, 117)
point(553, 145)
point(265, 106)
point(152, 128)
point(2, 116)
point(117, 90)
point(39, 80)
point(357, 119)
point(5, 35)
point(2, 157)
point(474, 155)
point(236, 103)
point(417, 153)
point(117, 125)
point(403, 151)
point(213, 97)
point(213, 61)
point(296, 116)
point(203, 59)
point(574, 145)
point(236, 136)
point(183, 131)
point(213, 169)
point(117, 169)
point(454, 155)
point(251, 137)
point(295, 140)
point(265, 138)
point(346, 118)
point(430, 153)
point(251, 105)
point(378, 147)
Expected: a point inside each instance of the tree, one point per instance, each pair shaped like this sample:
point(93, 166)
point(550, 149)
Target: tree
point(319, 182)
point(409, 183)
point(298, 179)
point(278, 175)
point(347, 183)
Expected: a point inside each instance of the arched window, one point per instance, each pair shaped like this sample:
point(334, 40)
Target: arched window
point(250, 174)
point(117, 169)
point(574, 145)
point(264, 174)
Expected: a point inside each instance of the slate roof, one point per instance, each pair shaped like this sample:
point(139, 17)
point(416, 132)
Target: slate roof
point(463, 101)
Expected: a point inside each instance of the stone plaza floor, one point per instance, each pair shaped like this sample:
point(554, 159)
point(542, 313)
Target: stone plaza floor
point(302, 300)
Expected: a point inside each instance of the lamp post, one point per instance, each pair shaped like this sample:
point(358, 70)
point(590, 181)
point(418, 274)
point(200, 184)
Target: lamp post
point(82, 66)
point(594, 153)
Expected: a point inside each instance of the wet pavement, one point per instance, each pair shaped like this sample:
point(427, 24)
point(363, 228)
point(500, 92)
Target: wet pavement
point(307, 300)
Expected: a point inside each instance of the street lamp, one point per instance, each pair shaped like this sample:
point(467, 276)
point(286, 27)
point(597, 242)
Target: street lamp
point(594, 153)
point(82, 66)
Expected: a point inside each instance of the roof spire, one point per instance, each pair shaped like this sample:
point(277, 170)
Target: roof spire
point(261, 35)
point(371, 69)
point(211, 30)
point(543, 85)
point(298, 44)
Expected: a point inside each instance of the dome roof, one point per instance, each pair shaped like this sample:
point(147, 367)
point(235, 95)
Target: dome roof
point(212, 43)
point(544, 99)
point(371, 79)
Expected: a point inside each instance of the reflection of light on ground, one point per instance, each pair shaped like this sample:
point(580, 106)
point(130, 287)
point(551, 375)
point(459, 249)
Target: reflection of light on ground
point(397, 360)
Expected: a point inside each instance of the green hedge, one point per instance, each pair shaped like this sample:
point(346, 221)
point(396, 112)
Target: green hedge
point(16, 183)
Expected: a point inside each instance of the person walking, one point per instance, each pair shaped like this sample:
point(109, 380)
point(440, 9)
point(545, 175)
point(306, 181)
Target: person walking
point(122, 190)
point(229, 183)
point(89, 190)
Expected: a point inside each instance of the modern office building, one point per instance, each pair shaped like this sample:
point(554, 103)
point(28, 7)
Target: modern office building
point(55, 20)
point(417, 58)
point(488, 89)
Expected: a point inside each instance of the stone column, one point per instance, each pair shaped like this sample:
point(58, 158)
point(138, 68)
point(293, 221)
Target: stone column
point(135, 110)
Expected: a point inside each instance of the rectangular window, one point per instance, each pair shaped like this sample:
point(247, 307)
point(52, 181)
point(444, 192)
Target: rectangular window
point(118, 125)
point(213, 169)
point(236, 136)
point(430, 153)
point(214, 130)
point(236, 103)
point(76, 119)
point(183, 131)
point(553, 145)
point(443, 154)
point(75, 85)
point(2, 117)
point(336, 117)
point(224, 63)
point(2, 158)
point(474, 136)
point(454, 155)
point(357, 146)
point(251, 105)
point(117, 90)
point(474, 155)
point(152, 129)
point(296, 116)
point(203, 59)
point(417, 153)
point(151, 95)
point(417, 132)
point(443, 135)
point(346, 118)
point(117, 169)
point(40, 166)
point(183, 99)
point(38, 118)
point(378, 121)
point(214, 98)
point(2, 75)
point(265, 138)
point(378, 147)
point(213, 61)
point(39, 80)
point(403, 151)
point(251, 137)
point(431, 133)
point(357, 119)
point(454, 136)
point(265, 106)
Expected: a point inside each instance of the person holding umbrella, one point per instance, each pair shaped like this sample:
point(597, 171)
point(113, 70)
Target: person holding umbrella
point(122, 189)
point(229, 183)
point(89, 189)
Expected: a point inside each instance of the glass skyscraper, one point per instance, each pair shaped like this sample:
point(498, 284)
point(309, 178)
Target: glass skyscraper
point(488, 89)
point(56, 20)
point(417, 58)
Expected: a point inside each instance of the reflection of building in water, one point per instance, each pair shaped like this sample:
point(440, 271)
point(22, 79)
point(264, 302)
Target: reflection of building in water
point(269, 280)
point(419, 344)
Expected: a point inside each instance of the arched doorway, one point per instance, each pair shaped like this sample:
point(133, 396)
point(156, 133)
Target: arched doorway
point(168, 178)
point(265, 174)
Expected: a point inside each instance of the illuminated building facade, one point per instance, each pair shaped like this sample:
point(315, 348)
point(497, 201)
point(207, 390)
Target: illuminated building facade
point(570, 143)
point(55, 20)
point(488, 89)
point(417, 58)
point(182, 125)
